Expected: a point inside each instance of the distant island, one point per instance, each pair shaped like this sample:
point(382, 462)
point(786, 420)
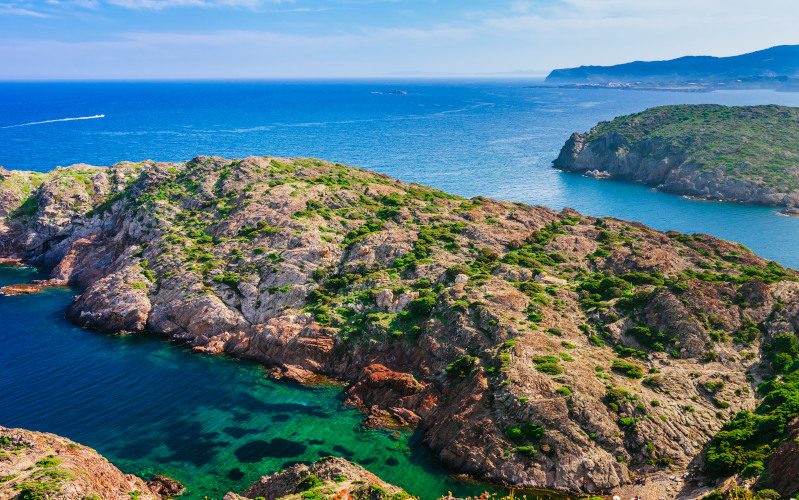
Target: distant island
point(775, 67)
point(743, 153)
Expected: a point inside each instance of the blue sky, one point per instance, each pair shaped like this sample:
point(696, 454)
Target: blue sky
point(189, 39)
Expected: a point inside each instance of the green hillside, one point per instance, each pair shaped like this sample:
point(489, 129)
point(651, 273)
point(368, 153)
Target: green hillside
point(758, 144)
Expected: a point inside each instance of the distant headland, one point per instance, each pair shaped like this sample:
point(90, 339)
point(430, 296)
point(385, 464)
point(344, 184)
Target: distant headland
point(740, 153)
point(775, 67)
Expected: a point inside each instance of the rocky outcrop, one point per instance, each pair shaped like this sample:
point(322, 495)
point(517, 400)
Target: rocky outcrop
point(783, 465)
point(697, 161)
point(39, 465)
point(328, 478)
point(538, 348)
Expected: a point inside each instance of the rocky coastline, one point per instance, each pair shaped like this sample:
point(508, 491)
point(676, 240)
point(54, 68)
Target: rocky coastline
point(35, 465)
point(534, 348)
point(687, 163)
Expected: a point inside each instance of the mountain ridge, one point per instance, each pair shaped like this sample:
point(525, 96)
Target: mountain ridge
point(771, 63)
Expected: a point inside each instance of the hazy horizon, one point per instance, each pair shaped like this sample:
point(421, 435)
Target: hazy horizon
point(66, 40)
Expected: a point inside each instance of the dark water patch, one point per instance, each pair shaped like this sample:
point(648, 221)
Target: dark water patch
point(241, 417)
point(367, 461)
point(343, 451)
point(315, 441)
point(239, 432)
point(257, 450)
point(252, 452)
point(285, 448)
point(235, 474)
point(391, 461)
point(281, 417)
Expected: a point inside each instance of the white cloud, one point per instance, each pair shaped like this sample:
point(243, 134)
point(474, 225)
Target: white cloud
point(165, 4)
point(522, 6)
point(14, 10)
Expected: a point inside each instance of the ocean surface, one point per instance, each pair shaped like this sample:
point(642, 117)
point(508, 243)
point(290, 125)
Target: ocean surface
point(216, 423)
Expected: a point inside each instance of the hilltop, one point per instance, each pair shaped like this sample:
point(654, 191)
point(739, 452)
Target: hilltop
point(531, 347)
point(732, 153)
point(775, 66)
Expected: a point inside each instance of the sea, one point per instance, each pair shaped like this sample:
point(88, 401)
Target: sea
point(218, 424)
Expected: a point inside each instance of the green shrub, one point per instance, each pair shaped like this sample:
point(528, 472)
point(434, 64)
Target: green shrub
point(549, 368)
point(50, 461)
point(311, 481)
point(423, 305)
point(513, 433)
point(628, 369)
point(454, 271)
point(526, 450)
point(648, 337)
point(533, 432)
point(462, 367)
point(596, 340)
point(753, 469)
point(680, 288)
point(782, 362)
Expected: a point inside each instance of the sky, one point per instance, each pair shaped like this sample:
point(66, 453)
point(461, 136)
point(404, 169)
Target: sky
point(286, 39)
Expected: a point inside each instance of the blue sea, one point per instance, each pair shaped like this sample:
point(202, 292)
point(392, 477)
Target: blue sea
point(216, 423)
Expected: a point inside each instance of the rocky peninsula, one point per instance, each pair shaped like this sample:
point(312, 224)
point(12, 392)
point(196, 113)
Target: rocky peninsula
point(531, 347)
point(39, 466)
point(746, 154)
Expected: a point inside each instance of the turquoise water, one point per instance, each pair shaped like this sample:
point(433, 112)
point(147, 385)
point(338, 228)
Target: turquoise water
point(214, 423)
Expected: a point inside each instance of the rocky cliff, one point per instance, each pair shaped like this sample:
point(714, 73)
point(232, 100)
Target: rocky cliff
point(746, 154)
point(38, 466)
point(537, 348)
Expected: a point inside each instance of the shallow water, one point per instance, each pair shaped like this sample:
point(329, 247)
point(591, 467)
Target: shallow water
point(217, 424)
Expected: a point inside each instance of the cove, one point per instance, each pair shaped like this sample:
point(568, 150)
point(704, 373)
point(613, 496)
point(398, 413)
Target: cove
point(150, 407)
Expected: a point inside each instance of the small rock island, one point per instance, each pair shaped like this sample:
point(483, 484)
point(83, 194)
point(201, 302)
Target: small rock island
point(746, 154)
point(532, 347)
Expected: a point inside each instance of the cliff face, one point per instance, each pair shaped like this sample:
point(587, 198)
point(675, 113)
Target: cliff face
point(34, 465)
point(711, 157)
point(540, 348)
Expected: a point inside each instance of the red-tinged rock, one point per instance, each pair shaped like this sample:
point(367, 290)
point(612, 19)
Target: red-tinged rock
point(28, 457)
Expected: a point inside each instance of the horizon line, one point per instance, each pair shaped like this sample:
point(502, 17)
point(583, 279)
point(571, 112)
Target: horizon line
point(498, 76)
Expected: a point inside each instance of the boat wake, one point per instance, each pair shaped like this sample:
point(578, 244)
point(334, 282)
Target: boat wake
point(58, 120)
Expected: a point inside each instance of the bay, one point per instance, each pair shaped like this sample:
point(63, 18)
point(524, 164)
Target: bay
point(151, 407)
